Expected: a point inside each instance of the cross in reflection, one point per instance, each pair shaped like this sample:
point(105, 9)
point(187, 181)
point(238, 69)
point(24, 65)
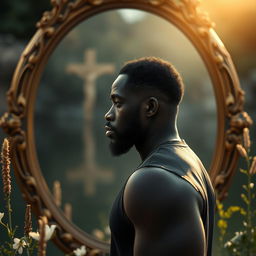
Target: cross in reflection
point(89, 71)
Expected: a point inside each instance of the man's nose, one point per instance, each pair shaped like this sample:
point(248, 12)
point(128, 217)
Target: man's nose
point(109, 116)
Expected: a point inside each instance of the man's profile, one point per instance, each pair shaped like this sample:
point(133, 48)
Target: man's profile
point(166, 207)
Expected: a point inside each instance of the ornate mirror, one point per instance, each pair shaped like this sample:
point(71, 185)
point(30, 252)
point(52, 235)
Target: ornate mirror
point(33, 104)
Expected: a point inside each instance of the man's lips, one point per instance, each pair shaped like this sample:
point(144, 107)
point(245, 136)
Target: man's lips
point(109, 131)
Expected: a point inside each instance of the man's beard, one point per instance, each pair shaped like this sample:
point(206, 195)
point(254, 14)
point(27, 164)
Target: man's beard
point(122, 143)
point(120, 147)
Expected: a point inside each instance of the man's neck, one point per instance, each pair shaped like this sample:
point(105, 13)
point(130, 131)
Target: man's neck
point(152, 141)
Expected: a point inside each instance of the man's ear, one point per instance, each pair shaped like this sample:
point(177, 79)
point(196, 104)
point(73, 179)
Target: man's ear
point(151, 106)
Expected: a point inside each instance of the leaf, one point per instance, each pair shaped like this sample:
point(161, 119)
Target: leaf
point(242, 211)
point(245, 188)
point(245, 199)
point(243, 171)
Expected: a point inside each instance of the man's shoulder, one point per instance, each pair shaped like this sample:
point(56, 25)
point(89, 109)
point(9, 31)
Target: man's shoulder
point(151, 187)
point(156, 177)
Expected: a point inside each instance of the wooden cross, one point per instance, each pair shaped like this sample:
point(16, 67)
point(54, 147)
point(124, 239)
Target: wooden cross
point(89, 71)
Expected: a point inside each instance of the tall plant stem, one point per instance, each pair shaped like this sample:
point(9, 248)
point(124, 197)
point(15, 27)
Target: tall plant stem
point(9, 210)
point(249, 210)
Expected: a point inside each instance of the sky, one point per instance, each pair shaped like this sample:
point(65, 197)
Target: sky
point(132, 16)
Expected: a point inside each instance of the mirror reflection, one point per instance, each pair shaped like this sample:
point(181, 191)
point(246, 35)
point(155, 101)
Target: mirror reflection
point(73, 97)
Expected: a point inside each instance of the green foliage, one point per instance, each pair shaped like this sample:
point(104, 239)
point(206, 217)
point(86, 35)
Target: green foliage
point(14, 245)
point(243, 242)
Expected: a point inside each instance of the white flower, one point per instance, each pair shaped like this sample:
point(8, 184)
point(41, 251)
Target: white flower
point(48, 233)
point(227, 244)
point(1, 216)
point(18, 245)
point(80, 251)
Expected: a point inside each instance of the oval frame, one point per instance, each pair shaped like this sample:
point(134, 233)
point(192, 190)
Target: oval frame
point(18, 122)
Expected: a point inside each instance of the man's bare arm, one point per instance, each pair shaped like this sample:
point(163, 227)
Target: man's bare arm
point(165, 212)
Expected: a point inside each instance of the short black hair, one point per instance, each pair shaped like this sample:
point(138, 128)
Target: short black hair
point(155, 73)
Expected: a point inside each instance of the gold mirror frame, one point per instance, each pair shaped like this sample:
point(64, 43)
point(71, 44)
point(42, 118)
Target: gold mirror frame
point(18, 122)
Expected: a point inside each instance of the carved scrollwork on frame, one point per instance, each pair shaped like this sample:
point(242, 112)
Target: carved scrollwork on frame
point(11, 122)
point(52, 27)
point(192, 13)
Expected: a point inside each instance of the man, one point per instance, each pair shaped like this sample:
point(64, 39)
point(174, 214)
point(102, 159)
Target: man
point(166, 206)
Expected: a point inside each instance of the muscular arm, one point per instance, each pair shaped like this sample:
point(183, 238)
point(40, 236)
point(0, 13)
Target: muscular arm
point(165, 212)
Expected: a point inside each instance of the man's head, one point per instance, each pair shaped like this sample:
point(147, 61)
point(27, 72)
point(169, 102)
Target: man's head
point(145, 95)
point(154, 73)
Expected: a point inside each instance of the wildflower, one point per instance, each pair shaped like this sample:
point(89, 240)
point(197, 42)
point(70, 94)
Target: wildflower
point(80, 251)
point(42, 240)
point(230, 211)
point(251, 185)
point(68, 211)
point(5, 160)
point(18, 245)
point(222, 224)
point(1, 216)
point(242, 211)
point(237, 238)
point(241, 150)
point(219, 205)
point(28, 221)
point(48, 233)
point(253, 166)
point(245, 198)
point(247, 141)
point(57, 193)
point(227, 244)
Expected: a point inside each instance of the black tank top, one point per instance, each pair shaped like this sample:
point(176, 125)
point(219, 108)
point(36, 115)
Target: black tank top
point(175, 157)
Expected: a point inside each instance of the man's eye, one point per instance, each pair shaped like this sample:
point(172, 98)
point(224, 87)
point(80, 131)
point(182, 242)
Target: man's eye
point(118, 104)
